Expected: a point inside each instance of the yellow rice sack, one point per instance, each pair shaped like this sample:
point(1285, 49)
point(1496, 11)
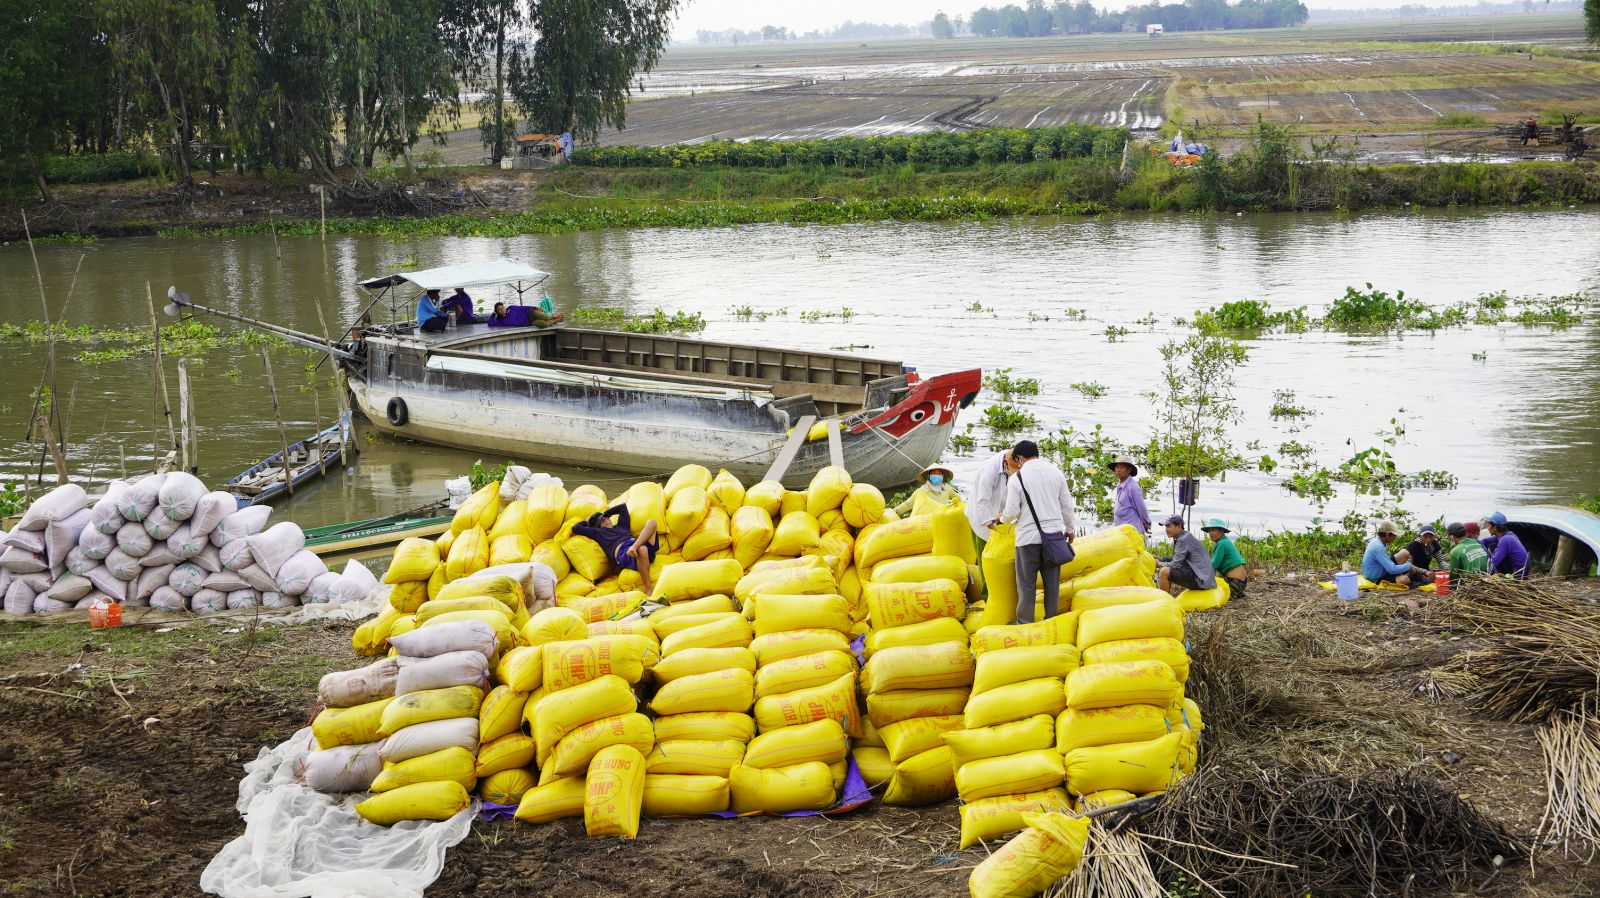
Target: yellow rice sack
point(810, 576)
point(850, 588)
point(509, 752)
point(1162, 648)
point(792, 502)
point(678, 623)
point(724, 690)
point(633, 626)
point(430, 704)
point(646, 502)
point(1007, 666)
point(559, 713)
point(706, 726)
point(691, 758)
point(726, 492)
point(422, 801)
point(796, 532)
point(553, 801)
point(1018, 774)
point(1059, 630)
point(820, 740)
point(670, 795)
point(444, 541)
point(454, 764)
point(803, 672)
point(433, 609)
point(828, 489)
point(507, 786)
point(1085, 728)
point(1127, 572)
point(885, 708)
point(503, 589)
point(697, 579)
point(469, 554)
point(687, 510)
point(952, 534)
point(568, 664)
point(1049, 848)
point(350, 726)
point(895, 539)
point(586, 557)
point(1109, 596)
point(834, 701)
point(1044, 695)
point(408, 597)
point(522, 668)
point(513, 548)
point(697, 476)
point(1187, 716)
point(999, 576)
point(752, 532)
point(730, 630)
point(1123, 683)
point(614, 792)
point(1105, 799)
point(513, 519)
point(837, 546)
point(767, 496)
point(554, 625)
point(1137, 767)
point(545, 511)
point(501, 713)
point(712, 536)
point(781, 613)
point(714, 604)
point(689, 662)
point(919, 568)
point(874, 764)
point(550, 554)
point(931, 632)
point(403, 625)
point(1146, 620)
point(801, 787)
point(1097, 550)
point(898, 604)
point(987, 819)
point(939, 666)
point(863, 505)
point(1018, 736)
point(775, 647)
point(479, 510)
point(927, 778)
point(414, 559)
point(917, 735)
point(584, 502)
point(1205, 599)
point(596, 608)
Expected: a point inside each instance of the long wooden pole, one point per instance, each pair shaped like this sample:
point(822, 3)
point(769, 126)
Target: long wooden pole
point(342, 398)
point(161, 371)
point(277, 412)
point(186, 460)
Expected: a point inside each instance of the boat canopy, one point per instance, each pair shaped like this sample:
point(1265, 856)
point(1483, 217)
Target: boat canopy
point(467, 274)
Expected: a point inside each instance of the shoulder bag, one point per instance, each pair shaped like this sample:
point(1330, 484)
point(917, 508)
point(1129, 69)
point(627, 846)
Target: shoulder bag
point(1054, 546)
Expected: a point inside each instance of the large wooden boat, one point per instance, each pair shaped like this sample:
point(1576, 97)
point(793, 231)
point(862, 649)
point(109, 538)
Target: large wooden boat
point(632, 402)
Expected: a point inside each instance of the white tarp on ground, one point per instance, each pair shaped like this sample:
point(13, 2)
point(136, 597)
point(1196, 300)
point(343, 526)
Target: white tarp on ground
point(299, 843)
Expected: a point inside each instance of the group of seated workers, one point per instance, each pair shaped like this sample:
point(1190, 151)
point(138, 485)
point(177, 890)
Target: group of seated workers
point(434, 316)
point(1467, 552)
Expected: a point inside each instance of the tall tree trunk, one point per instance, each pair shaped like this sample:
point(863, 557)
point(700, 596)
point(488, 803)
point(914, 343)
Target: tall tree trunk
point(38, 178)
point(500, 89)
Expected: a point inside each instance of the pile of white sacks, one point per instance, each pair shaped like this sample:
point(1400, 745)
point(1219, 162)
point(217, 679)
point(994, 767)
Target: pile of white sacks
point(163, 541)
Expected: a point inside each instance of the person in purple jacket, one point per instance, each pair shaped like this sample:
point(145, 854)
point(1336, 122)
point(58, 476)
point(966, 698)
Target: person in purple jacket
point(1129, 508)
point(1510, 556)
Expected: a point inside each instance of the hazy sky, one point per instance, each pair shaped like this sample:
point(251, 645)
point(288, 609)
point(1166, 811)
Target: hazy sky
point(715, 15)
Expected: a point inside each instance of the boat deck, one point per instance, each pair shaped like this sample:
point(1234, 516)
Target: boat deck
point(471, 332)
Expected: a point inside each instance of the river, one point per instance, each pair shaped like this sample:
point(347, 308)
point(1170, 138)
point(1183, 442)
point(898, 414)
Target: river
point(1520, 423)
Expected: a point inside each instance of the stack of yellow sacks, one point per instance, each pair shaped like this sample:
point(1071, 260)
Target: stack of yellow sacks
point(1127, 729)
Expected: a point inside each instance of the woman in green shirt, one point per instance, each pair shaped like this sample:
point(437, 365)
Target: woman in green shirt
point(1225, 558)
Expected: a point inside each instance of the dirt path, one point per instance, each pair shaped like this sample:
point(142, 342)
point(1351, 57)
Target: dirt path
point(98, 799)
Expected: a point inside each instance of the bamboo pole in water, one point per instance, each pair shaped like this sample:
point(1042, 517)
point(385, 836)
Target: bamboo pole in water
point(161, 371)
point(341, 397)
point(185, 424)
point(277, 412)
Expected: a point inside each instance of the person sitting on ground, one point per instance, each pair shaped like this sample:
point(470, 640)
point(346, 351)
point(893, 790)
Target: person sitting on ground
point(1129, 503)
point(1379, 567)
point(628, 552)
point(1509, 556)
point(461, 304)
point(1190, 567)
point(430, 317)
point(1425, 549)
point(1466, 556)
point(1225, 558)
point(523, 316)
point(936, 492)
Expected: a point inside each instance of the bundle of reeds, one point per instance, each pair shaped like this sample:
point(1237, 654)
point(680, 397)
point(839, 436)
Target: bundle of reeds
point(1114, 865)
point(1387, 832)
point(1571, 743)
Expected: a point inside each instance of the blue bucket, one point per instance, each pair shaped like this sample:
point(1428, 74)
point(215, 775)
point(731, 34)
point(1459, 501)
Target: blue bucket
point(1346, 582)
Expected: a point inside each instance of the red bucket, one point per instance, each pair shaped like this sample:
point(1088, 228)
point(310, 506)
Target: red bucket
point(105, 614)
point(1441, 583)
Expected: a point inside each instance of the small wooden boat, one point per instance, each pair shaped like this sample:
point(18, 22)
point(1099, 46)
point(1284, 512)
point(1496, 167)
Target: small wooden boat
point(311, 457)
point(376, 536)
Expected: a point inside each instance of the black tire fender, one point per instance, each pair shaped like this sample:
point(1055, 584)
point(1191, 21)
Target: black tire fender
point(397, 412)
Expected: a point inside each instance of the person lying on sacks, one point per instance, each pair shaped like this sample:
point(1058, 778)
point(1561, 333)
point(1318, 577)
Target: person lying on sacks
point(620, 545)
point(1190, 567)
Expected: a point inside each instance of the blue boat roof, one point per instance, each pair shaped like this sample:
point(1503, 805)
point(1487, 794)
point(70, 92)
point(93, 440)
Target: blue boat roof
point(1575, 522)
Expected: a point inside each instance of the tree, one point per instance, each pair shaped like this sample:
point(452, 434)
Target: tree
point(958, 24)
point(941, 27)
point(1591, 19)
point(1013, 21)
point(44, 91)
point(497, 131)
point(579, 74)
point(1197, 404)
point(1039, 18)
point(985, 22)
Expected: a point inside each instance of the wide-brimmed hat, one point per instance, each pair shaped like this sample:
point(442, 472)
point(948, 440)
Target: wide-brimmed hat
point(1216, 524)
point(1389, 528)
point(949, 475)
point(1124, 460)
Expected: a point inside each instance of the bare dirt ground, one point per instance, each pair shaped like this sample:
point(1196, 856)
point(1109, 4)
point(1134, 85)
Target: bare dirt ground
point(121, 751)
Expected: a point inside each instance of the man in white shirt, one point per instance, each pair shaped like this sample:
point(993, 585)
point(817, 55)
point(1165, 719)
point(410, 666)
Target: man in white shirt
point(988, 496)
point(1051, 512)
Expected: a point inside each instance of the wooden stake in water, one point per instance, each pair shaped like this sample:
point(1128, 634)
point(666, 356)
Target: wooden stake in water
point(342, 398)
point(185, 423)
point(322, 207)
point(161, 371)
point(277, 413)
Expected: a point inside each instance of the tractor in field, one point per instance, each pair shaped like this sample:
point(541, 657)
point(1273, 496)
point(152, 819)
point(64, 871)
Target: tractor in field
point(1568, 136)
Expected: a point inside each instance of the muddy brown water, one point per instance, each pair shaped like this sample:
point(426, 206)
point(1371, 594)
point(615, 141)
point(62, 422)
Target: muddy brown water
point(1520, 424)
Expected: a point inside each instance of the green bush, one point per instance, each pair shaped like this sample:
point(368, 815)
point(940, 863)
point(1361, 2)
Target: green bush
point(938, 149)
point(95, 169)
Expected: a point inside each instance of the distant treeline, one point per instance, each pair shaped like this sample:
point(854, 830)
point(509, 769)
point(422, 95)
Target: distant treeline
point(1038, 19)
point(1418, 10)
point(846, 31)
point(937, 148)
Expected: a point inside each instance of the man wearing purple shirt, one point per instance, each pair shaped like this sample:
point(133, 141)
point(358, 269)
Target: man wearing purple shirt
point(1510, 556)
point(1130, 508)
